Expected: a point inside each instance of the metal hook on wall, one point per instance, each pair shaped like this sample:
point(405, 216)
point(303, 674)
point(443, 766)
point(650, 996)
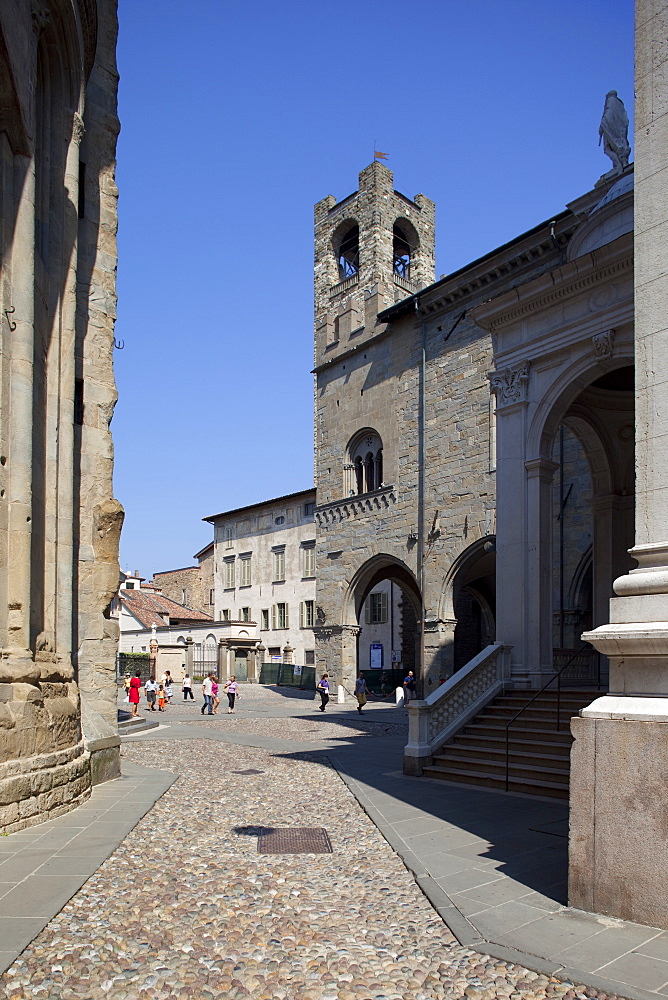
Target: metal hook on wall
point(119, 344)
point(11, 323)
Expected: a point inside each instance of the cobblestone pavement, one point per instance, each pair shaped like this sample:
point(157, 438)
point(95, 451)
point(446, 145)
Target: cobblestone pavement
point(308, 730)
point(186, 907)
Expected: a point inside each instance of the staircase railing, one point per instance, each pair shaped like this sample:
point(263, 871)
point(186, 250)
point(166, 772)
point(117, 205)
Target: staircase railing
point(555, 677)
point(433, 721)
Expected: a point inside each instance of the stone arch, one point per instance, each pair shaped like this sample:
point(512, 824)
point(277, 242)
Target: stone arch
point(405, 245)
point(377, 568)
point(470, 586)
point(558, 398)
point(346, 248)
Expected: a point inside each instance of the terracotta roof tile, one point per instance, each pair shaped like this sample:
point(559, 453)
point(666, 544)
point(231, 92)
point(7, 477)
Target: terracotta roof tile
point(150, 609)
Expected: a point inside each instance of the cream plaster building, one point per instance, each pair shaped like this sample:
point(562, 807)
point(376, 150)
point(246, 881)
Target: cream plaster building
point(59, 523)
point(264, 580)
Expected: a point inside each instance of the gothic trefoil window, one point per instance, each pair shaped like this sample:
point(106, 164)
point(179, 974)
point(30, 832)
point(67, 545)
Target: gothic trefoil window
point(364, 468)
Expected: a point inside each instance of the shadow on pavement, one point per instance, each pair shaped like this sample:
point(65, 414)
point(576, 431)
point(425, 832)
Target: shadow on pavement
point(453, 829)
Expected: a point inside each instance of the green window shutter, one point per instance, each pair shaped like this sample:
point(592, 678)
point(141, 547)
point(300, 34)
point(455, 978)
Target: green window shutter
point(367, 611)
point(287, 616)
point(301, 614)
point(383, 607)
point(273, 616)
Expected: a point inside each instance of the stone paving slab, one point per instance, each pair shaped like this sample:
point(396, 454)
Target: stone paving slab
point(492, 903)
point(43, 867)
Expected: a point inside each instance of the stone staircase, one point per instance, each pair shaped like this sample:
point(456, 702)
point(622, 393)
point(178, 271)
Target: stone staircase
point(539, 757)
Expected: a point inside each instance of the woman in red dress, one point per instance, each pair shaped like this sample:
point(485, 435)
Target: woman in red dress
point(135, 684)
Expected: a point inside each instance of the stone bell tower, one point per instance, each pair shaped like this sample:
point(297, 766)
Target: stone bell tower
point(372, 249)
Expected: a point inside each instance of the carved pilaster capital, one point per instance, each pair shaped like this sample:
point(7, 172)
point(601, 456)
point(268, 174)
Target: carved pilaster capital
point(41, 15)
point(510, 385)
point(603, 343)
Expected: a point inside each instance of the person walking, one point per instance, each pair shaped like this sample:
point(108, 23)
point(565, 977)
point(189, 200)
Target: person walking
point(215, 700)
point(409, 687)
point(361, 691)
point(323, 688)
point(207, 688)
point(169, 691)
point(187, 686)
point(162, 697)
point(133, 693)
point(230, 690)
point(150, 689)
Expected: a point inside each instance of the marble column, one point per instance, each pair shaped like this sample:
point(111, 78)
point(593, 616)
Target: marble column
point(619, 761)
point(539, 654)
point(509, 386)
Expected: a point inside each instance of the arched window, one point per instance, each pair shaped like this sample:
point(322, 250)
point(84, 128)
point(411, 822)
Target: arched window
point(364, 468)
point(347, 250)
point(369, 472)
point(404, 245)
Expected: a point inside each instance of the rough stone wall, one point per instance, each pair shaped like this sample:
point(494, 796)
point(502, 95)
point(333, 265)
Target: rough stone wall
point(58, 570)
point(206, 565)
point(101, 516)
point(373, 378)
point(174, 582)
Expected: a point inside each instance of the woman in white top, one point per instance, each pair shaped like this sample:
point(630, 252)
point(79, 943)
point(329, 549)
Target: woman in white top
point(230, 690)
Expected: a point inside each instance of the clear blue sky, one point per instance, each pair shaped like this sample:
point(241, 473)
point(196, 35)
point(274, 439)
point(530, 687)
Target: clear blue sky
point(236, 118)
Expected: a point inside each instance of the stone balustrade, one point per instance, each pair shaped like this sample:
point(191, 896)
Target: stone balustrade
point(354, 506)
point(447, 709)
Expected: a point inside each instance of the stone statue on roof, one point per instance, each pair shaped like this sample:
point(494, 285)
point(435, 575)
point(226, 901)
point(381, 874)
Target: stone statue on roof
point(614, 130)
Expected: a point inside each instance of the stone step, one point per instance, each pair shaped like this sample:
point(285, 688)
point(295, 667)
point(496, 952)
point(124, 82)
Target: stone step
point(532, 714)
point(518, 732)
point(556, 771)
point(536, 755)
point(134, 724)
point(475, 740)
point(529, 786)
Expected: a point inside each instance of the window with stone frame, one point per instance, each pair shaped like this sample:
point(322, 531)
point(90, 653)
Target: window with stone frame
point(245, 614)
point(280, 616)
point(308, 559)
point(228, 571)
point(278, 565)
point(376, 609)
point(309, 657)
point(245, 570)
point(363, 471)
point(228, 534)
point(264, 619)
point(307, 614)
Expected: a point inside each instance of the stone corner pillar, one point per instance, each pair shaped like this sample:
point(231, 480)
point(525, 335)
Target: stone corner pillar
point(619, 760)
point(190, 655)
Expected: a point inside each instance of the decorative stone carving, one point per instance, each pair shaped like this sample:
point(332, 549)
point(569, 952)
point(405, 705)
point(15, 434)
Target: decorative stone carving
point(510, 385)
point(40, 16)
point(603, 344)
point(614, 129)
point(355, 506)
point(78, 128)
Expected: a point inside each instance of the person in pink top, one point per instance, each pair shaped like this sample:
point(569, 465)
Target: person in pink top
point(214, 695)
point(231, 692)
